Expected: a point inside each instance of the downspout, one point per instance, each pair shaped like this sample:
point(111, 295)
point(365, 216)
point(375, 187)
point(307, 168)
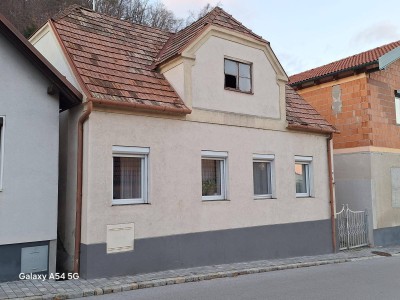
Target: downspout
point(331, 192)
point(78, 216)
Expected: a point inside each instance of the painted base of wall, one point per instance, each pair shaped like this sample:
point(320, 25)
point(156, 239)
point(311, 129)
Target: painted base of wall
point(387, 236)
point(209, 248)
point(10, 260)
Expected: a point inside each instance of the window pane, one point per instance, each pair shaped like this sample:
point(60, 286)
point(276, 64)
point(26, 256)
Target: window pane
point(244, 70)
point(244, 84)
point(127, 178)
point(262, 178)
point(231, 67)
point(211, 177)
point(230, 81)
point(397, 109)
point(301, 178)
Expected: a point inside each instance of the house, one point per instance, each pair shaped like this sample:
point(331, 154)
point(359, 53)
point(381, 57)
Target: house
point(32, 93)
point(189, 148)
point(360, 95)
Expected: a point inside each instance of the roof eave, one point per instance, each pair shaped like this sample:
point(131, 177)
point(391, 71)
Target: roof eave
point(354, 68)
point(307, 128)
point(182, 110)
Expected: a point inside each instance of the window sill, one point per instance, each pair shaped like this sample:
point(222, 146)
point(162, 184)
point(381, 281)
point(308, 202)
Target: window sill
point(215, 200)
point(239, 91)
point(306, 196)
point(123, 204)
point(264, 198)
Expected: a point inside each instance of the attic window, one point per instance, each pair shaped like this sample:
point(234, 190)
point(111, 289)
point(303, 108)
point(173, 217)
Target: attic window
point(237, 76)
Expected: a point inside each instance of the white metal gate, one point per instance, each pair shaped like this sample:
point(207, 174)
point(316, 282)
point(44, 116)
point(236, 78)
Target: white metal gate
point(352, 228)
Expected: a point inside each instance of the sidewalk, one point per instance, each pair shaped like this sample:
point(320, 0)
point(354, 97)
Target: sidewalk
point(69, 289)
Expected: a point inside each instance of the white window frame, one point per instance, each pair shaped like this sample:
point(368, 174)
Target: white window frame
point(266, 158)
point(140, 152)
point(306, 160)
point(2, 132)
point(397, 106)
point(222, 157)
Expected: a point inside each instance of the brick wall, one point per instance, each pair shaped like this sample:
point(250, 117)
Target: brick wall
point(381, 86)
point(353, 119)
point(367, 116)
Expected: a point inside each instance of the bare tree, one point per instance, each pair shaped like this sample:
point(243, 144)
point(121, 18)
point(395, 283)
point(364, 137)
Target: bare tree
point(29, 15)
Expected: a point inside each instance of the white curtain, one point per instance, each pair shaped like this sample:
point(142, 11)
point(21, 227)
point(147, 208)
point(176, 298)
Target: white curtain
point(127, 177)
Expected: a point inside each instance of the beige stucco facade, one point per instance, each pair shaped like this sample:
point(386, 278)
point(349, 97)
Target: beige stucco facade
point(176, 205)
point(221, 120)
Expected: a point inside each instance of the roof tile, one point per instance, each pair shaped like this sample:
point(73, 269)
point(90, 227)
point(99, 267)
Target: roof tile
point(354, 61)
point(300, 114)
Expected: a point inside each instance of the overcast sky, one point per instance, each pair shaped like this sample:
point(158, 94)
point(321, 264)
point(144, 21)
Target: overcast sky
point(309, 33)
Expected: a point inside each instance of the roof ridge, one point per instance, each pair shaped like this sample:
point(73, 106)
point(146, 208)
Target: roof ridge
point(73, 7)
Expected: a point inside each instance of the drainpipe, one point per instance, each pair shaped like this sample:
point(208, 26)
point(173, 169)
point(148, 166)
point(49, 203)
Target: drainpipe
point(331, 193)
point(78, 216)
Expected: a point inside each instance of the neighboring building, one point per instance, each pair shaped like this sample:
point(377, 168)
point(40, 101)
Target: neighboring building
point(360, 95)
point(32, 93)
point(194, 150)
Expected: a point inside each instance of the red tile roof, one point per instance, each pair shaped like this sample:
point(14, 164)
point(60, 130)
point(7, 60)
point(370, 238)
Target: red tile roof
point(358, 60)
point(301, 115)
point(113, 59)
point(218, 17)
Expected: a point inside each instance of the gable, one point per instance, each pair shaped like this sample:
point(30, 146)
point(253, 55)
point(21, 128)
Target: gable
point(46, 43)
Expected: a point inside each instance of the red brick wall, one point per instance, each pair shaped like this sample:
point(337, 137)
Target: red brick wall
point(368, 116)
point(381, 86)
point(353, 121)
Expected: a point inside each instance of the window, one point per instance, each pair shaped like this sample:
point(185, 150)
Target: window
point(213, 175)
point(237, 76)
point(397, 105)
point(303, 172)
point(263, 176)
point(130, 175)
point(1, 150)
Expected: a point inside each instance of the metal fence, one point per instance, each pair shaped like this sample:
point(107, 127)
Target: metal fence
point(352, 228)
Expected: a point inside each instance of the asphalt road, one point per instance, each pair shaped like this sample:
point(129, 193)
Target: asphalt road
point(377, 278)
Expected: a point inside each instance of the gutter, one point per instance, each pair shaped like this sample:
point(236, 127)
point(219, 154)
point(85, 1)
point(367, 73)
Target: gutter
point(144, 107)
point(79, 182)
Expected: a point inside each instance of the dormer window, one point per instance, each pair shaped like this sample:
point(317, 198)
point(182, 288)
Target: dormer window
point(237, 76)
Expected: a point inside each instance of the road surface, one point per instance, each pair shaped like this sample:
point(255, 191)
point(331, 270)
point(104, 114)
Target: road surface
point(377, 278)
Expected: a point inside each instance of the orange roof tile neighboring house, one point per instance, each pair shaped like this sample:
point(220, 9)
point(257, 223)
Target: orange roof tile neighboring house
point(302, 116)
point(357, 61)
point(114, 61)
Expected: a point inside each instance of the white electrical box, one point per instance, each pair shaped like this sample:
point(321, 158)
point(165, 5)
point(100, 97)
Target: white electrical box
point(120, 237)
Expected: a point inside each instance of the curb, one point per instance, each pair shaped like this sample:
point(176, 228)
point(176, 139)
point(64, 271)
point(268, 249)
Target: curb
point(191, 278)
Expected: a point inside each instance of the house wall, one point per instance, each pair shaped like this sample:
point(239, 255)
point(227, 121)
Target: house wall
point(344, 103)
point(381, 86)
point(67, 187)
point(28, 200)
point(387, 217)
point(172, 230)
point(208, 80)
point(367, 146)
